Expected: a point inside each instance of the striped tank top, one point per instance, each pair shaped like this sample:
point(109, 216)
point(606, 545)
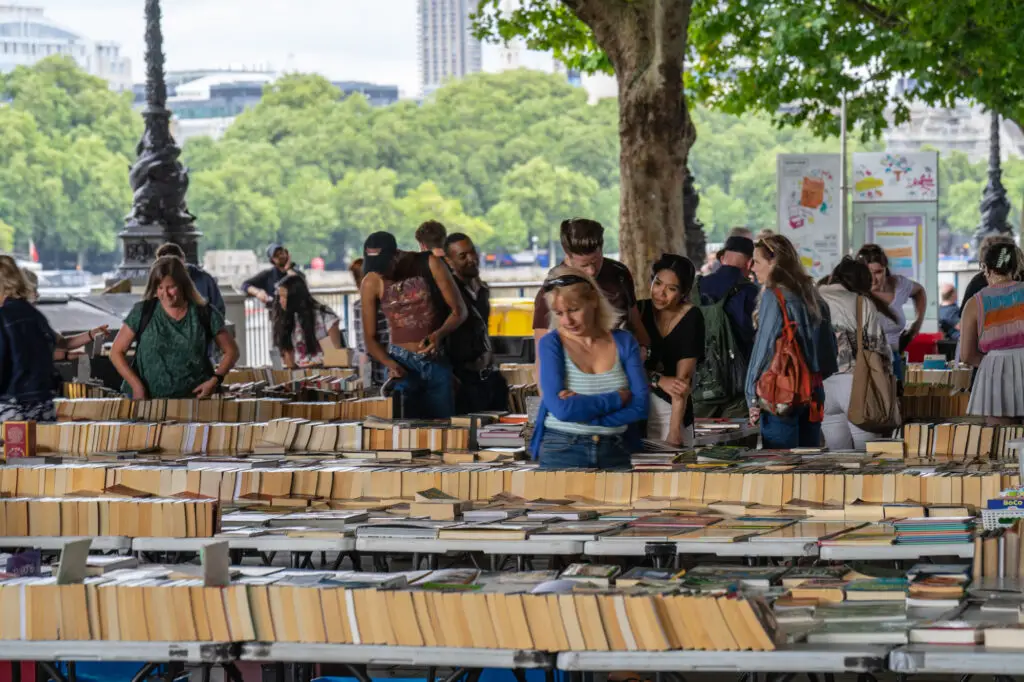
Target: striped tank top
point(1001, 317)
point(584, 383)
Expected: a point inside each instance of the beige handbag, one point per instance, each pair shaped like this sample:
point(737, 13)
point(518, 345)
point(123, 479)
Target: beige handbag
point(874, 405)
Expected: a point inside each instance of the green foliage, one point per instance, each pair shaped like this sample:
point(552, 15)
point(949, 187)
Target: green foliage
point(66, 143)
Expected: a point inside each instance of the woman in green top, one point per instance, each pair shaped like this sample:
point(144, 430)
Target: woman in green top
point(171, 359)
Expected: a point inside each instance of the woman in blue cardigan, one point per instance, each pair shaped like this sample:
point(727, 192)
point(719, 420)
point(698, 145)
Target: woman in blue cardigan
point(592, 380)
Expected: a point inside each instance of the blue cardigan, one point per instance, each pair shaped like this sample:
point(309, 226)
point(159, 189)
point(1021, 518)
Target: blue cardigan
point(605, 409)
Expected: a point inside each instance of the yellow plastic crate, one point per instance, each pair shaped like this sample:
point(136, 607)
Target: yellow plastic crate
point(511, 317)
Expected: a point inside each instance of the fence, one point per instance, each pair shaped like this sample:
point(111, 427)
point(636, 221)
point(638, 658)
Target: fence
point(254, 336)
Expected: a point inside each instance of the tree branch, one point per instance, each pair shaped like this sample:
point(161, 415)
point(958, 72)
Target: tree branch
point(877, 15)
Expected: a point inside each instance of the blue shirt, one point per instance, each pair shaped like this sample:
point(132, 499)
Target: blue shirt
point(26, 353)
point(815, 338)
point(605, 409)
point(740, 307)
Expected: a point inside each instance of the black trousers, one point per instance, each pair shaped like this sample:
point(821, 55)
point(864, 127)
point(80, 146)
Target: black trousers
point(480, 391)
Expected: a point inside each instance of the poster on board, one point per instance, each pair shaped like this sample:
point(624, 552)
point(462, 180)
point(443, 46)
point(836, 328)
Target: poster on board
point(888, 176)
point(902, 239)
point(808, 208)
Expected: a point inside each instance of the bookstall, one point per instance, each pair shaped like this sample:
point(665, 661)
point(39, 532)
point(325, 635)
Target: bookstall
point(718, 558)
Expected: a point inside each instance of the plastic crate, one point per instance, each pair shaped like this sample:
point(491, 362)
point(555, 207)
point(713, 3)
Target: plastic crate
point(1000, 518)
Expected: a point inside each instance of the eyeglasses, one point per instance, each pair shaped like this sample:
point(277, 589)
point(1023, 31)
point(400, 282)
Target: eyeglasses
point(564, 281)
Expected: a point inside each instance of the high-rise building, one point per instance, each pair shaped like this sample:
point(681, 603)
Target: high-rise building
point(445, 43)
point(27, 35)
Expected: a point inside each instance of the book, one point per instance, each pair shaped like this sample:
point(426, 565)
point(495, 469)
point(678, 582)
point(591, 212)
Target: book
point(878, 589)
point(598, 574)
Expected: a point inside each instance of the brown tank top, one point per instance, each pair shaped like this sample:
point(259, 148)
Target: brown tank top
point(408, 301)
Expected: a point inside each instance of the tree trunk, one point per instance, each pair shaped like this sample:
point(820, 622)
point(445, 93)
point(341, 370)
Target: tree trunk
point(645, 40)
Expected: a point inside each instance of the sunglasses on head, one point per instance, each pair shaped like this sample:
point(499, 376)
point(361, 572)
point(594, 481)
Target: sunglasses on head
point(564, 281)
point(762, 244)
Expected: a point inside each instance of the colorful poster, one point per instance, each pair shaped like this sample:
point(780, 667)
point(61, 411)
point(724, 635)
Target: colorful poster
point(901, 237)
point(808, 208)
point(888, 176)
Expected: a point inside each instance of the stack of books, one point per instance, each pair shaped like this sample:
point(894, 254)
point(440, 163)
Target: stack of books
point(929, 531)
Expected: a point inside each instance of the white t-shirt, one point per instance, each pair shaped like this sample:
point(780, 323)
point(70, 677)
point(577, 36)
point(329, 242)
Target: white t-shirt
point(901, 294)
point(323, 321)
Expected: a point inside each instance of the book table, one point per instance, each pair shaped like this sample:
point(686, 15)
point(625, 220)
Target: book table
point(495, 549)
point(357, 656)
point(796, 658)
point(47, 654)
point(300, 549)
point(773, 548)
point(948, 660)
point(962, 550)
point(101, 543)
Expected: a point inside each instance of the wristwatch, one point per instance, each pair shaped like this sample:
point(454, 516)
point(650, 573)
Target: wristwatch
point(219, 378)
point(655, 379)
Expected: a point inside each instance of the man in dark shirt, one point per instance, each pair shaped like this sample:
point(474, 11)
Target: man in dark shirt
point(583, 243)
point(733, 273)
point(479, 385)
point(205, 283)
point(431, 237)
point(263, 285)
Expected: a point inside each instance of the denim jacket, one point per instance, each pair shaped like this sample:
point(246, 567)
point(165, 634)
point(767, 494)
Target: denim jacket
point(815, 338)
point(26, 353)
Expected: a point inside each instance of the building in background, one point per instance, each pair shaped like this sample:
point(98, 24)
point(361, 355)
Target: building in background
point(446, 46)
point(27, 35)
point(964, 128)
point(205, 103)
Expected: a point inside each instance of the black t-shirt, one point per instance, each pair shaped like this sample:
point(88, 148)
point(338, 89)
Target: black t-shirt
point(686, 340)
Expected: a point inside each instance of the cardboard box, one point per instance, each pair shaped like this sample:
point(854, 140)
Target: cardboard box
point(338, 357)
point(19, 440)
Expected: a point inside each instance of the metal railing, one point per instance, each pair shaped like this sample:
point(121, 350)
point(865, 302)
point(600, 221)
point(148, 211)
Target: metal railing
point(256, 344)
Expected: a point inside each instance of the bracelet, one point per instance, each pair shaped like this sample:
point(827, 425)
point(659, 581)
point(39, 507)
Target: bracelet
point(219, 378)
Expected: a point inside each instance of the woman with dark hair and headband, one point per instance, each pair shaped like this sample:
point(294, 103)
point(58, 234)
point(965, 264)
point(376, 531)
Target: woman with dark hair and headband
point(992, 339)
point(676, 329)
point(894, 290)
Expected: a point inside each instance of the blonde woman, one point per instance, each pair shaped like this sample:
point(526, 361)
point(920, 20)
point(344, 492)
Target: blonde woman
point(592, 380)
point(26, 351)
point(174, 326)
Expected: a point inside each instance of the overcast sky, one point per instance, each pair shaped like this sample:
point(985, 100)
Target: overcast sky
point(369, 40)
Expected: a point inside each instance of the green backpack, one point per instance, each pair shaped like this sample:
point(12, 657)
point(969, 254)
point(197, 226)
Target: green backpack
point(722, 374)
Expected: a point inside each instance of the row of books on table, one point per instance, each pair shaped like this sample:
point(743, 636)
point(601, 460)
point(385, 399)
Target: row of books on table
point(454, 608)
point(835, 493)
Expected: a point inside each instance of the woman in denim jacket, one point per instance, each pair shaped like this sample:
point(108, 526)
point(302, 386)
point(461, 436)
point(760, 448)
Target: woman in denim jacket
point(777, 265)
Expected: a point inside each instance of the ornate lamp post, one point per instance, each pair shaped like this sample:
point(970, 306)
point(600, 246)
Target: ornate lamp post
point(994, 205)
point(158, 180)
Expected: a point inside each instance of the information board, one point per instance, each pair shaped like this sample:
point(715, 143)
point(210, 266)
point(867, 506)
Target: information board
point(808, 208)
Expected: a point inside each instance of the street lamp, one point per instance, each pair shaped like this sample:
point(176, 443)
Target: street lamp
point(158, 180)
point(995, 207)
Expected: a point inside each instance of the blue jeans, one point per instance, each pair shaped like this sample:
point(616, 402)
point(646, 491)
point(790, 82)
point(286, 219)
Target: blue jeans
point(560, 450)
point(792, 431)
point(427, 390)
point(897, 364)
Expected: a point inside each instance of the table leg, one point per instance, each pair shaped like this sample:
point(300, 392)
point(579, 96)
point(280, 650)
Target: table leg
point(272, 672)
point(267, 557)
point(431, 673)
point(232, 673)
point(359, 672)
point(51, 671)
point(145, 672)
point(456, 674)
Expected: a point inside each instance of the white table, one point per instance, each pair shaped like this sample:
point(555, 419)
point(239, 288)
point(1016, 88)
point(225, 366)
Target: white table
point(962, 550)
point(366, 654)
point(271, 543)
point(188, 652)
point(538, 547)
point(636, 547)
point(936, 659)
point(795, 658)
point(101, 543)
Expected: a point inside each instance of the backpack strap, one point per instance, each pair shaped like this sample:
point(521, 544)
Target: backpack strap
point(206, 321)
point(148, 308)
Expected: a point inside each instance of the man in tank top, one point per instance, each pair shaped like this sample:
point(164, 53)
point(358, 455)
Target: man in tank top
point(421, 302)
